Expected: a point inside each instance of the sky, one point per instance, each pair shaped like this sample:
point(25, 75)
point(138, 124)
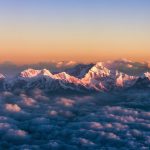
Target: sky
point(80, 30)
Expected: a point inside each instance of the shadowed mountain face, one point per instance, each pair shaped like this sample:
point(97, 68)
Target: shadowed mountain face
point(80, 70)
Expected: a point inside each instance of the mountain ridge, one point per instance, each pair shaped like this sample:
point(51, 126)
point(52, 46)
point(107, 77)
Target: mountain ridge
point(98, 77)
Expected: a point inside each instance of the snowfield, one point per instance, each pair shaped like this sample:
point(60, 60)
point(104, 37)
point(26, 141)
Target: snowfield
point(37, 121)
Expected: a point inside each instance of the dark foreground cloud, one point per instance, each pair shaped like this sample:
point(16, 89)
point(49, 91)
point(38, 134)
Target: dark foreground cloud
point(105, 122)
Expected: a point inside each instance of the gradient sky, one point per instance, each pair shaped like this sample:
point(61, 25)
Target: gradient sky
point(80, 30)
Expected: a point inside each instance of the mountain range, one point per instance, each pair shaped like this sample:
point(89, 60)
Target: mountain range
point(80, 78)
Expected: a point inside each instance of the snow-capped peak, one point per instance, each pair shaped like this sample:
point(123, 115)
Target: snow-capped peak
point(66, 77)
point(96, 77)
point(62, 75)
point(2, 76)
point(103, 78)
point(124, 80)
point(100, 69)
point(29, 73)
point(45, 72)
point(146, 75)
point(97, 70)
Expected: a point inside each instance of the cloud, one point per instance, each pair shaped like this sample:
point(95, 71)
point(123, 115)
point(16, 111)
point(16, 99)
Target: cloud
point(65, 64)
point(27, 101)
point(74, 122)
point(12, 108)
point(128, 66)
point(66, 102)
point(16, 136)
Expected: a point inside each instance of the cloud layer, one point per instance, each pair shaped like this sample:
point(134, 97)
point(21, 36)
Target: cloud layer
point(38, 121)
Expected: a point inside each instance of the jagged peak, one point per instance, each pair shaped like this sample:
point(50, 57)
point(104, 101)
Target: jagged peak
point(45, 72)
point(63, 75)
point(146, 75)
point(29, 73)
point(99, 64)
point(100, 69)
point(66, 77)
point(2, 76)
point(80, 70)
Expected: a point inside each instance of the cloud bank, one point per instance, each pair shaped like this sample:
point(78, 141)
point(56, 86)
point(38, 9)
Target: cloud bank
point(38, 121)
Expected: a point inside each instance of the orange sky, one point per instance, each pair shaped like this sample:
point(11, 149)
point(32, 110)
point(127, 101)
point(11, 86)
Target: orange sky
point(97, 31)
point(86, 49)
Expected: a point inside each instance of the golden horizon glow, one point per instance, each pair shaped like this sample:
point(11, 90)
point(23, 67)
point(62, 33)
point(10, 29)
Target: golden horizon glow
point(87, 32)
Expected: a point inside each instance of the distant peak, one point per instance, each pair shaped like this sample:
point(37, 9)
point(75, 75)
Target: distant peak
point(146, 75)
point(62, 75)
point(45, 72)
point(100, 69)
point(29, 73)
point(99, 64)
point(66, 77)
point(2, 76)
point(79, 70)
